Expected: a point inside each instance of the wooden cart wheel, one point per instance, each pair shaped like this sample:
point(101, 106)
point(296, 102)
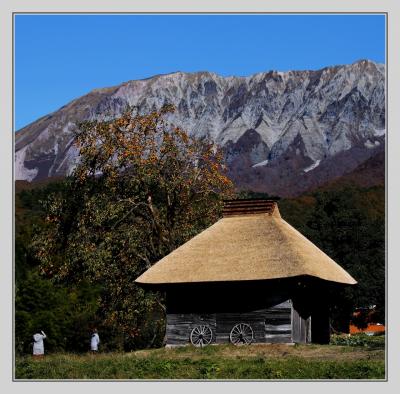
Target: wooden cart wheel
point(242, 333)
point(201, 336)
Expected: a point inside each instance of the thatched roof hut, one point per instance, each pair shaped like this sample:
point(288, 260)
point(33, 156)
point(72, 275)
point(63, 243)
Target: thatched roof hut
point(246, 246)
point(251, 268)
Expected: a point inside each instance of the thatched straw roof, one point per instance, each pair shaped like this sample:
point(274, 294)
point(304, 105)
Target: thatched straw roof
point(242, 247)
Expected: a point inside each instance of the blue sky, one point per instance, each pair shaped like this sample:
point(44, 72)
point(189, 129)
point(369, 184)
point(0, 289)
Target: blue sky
point(61, 57)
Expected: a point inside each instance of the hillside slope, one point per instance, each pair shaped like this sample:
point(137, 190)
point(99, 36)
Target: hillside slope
point(282, 132)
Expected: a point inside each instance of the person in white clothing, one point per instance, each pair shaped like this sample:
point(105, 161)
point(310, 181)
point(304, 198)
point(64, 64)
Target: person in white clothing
point(94, 341)
point(38, 345)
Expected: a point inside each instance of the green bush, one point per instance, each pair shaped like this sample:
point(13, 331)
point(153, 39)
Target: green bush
point(361, 339)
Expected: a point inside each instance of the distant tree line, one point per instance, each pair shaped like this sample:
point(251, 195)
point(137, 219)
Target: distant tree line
point(347, 222)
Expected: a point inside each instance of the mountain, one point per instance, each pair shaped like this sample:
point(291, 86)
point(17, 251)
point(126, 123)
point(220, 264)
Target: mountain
point(282, 132)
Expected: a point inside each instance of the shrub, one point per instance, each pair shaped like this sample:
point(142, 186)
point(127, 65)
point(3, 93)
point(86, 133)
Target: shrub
point(361, 339)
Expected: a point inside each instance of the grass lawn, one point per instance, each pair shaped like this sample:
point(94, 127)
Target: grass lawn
point(257, 361)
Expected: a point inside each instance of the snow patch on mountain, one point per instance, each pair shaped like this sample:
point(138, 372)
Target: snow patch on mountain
point(379, 133)
point(370, 145)
point(262, 163)
point(312, 166)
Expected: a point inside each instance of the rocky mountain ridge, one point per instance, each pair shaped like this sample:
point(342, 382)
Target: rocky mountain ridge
point(282, 132)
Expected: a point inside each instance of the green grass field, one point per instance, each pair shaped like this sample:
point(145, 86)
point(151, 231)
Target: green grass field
point(365, 361)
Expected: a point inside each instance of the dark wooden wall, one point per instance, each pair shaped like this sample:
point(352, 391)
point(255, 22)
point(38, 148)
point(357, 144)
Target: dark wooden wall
point(271, 325)
point(223, 305)
point(278, 327)
point(280, 311)
point(180, 325)
point(310, 319)
point(301, 327)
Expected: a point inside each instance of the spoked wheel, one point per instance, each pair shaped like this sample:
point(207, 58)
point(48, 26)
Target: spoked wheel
point(242, 333)
point(201, 336)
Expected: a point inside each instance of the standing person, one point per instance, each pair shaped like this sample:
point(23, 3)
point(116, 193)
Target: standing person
point(94, 341)
point(38, 345)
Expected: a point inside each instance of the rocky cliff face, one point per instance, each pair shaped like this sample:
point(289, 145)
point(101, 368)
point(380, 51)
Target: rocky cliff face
point(282, 132)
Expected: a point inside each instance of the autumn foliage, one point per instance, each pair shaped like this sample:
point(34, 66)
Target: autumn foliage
point(142, 188)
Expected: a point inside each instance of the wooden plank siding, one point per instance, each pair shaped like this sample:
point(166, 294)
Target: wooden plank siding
point(278, 323)
point(226, 321)
point(180, 325)
point(301, 327)
point(270, 325)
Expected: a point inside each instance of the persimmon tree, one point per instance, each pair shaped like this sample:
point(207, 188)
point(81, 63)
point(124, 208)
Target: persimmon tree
point(142, 188)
